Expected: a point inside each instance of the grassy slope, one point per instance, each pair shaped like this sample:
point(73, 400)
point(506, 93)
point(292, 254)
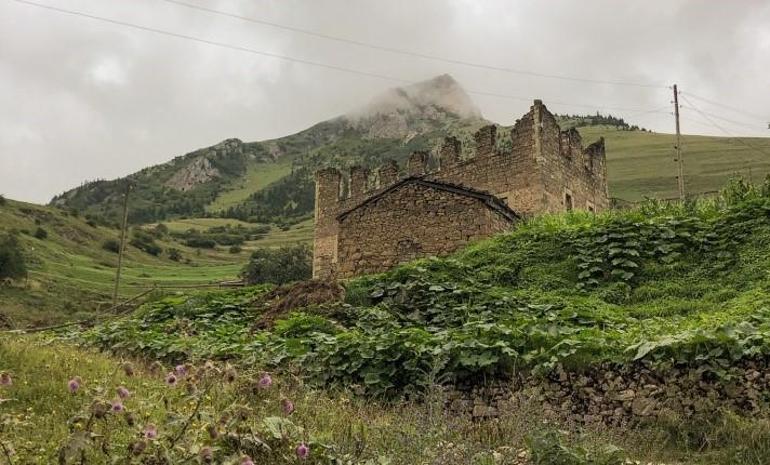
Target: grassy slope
point(70, 275)
point(39, 408)
point(699, 281)
point(258, 176)
point(518, 288)
point(640, 164)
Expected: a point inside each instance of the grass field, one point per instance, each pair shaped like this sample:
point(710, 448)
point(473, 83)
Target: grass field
point(257, 177)
point(71, 275)
point(641, 164)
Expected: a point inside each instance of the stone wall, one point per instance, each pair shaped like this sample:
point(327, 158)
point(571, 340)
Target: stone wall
point(624, 395)
point(545, 170)
point(409, 222)
point(570, 173)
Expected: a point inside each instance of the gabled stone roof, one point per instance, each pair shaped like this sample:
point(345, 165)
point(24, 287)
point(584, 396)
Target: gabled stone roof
point(486, 198)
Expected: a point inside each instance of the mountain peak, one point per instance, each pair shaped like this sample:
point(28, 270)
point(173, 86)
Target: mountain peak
point(441, 92)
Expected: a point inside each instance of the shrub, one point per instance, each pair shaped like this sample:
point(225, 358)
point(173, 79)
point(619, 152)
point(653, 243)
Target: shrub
point(279, 266)
point(235, 249)
point(111, 245)
point(199, 242)
point(12, 264)
point(41, 233)
point(174, 254)
point(2, 200)
point(144, 241)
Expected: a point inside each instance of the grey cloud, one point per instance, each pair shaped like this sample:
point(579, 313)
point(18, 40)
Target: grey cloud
point(83, 100)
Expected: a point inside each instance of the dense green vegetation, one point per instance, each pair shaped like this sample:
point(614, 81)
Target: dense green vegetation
point(661, 285)
point(279, 266)
point(12, 264)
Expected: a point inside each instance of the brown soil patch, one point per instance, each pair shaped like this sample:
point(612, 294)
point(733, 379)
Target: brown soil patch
point(283, 299)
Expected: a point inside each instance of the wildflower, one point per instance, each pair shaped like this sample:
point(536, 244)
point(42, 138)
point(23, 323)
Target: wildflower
point(230, 374)
point(206, 454)
point(128, 368)
point(74, 384)
point(150, 431)
point(171, 379)
point(287, 407)
point(123, 392)
point(265, 381)
point(117, 406)
point(213, 431)
point(303, 451)
point(130, 419)
point(99, 408)
point(138, 447)
point(246, 460)
point(5, 379)
point(191, 388)
point(156, 368)
point(180, 370)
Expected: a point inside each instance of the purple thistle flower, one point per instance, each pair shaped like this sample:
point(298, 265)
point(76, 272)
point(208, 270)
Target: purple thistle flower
point(5, 379)
point(74, 384)
point(171, 379)
point(246, 460)
point(123, 392)
point(128, 368)
point(150, 431)
point(117, 406)
point(230, 374)
point(303, 451)
point(265, 381)
point(287, 407)
point(180, 370)
point(206, 454)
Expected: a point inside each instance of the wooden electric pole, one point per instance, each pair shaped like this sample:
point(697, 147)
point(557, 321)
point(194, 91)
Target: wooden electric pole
point(678, 147)
point(122, 244)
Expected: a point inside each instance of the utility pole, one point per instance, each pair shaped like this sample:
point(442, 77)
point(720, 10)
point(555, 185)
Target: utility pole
point(122, 243)
point(678, 147)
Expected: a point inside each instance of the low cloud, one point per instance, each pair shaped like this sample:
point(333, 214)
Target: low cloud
point(83, 99)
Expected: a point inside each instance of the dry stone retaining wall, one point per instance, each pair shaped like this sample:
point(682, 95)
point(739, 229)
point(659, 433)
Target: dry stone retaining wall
point(620, 396)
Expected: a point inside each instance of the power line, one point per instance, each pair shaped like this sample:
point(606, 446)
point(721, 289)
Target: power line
point(289, 58)
point(713, 123)
point(728, 107)
point(409, 52)
point(728, 120)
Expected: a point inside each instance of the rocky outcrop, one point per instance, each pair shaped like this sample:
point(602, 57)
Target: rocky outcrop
point(199, 171)
point(405, 111)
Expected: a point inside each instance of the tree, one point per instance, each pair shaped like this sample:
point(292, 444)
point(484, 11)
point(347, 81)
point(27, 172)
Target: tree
point(279, 266)
point(12, 264)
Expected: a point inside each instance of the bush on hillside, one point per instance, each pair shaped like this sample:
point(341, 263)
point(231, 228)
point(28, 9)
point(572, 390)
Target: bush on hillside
point(2, 200)
point(174, 254)
point(279, 266)
point(235, 249)
point(12, 264)
point(111, 245)
point(41, 233)
point(145, 242)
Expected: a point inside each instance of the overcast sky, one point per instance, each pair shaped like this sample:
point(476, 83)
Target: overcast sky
point(82, 99)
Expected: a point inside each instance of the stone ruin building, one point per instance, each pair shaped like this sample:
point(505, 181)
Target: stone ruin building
point(368, 227)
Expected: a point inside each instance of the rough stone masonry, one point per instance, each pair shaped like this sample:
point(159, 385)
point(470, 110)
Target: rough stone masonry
point(389, 217)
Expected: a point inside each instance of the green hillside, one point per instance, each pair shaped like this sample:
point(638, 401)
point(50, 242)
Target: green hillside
point(654, 323)
point(71, 275)
point(640, 164)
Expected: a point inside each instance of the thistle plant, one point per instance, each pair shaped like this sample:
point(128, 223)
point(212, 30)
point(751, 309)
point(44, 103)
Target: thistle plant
point(211, 420)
